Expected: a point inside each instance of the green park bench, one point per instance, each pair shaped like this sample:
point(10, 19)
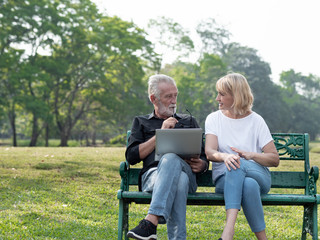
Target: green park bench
point(290, 146)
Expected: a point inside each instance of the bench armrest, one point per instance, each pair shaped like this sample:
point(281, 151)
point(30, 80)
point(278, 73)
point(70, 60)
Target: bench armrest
point(314, 171)
point(124, 173)
point(312, 181)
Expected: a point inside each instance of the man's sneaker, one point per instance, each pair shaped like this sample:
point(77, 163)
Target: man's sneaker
point(145, 230)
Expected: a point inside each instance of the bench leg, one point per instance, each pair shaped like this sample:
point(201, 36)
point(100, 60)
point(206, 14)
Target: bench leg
point(123, 221)
point(310, 221)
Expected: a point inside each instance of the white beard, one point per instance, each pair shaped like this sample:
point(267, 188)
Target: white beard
point(167, 111)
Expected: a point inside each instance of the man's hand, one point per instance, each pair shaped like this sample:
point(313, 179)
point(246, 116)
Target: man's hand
point(196, 164)
point(169, 123)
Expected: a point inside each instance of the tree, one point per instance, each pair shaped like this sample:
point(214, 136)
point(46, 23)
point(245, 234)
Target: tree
point(10, 86)
point(196, 85)
point(246, 60)
point(214, 37)
point(29, 26)
point(301, 94)
point(102, 63)
point(171, 37)
point(75, 61)
point(296, 83)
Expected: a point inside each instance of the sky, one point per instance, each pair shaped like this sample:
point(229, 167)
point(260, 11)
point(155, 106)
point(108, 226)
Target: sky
point(285, 33)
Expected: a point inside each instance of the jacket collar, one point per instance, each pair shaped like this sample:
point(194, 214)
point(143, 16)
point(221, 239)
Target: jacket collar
point(153, 115)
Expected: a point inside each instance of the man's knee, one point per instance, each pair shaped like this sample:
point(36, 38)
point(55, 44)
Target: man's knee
point(170, 156)
point(170, 159)
point(183, 184)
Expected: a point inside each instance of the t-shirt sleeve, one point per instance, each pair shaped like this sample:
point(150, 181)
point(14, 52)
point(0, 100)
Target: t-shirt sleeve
point(211, 124)
point(264, 136)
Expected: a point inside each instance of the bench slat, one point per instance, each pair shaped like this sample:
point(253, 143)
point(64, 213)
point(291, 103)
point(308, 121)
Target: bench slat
point(280, 179)
point(203, 198)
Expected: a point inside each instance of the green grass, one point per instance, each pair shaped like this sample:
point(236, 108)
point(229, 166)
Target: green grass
point(70, 193)
point(51, 143)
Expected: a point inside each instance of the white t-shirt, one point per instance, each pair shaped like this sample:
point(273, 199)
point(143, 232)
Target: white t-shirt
point(249, 134)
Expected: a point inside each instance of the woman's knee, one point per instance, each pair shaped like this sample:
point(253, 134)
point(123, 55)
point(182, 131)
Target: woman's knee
point(250, 186)
point(238, 172)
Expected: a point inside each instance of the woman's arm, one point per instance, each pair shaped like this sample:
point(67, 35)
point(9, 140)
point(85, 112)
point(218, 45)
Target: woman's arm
point(269, 157)
point(211, 148)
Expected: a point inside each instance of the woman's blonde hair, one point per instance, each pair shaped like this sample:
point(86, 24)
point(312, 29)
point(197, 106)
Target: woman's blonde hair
point(238, 86)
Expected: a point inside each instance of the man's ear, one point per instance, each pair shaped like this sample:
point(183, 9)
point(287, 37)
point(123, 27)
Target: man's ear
point(153, 98)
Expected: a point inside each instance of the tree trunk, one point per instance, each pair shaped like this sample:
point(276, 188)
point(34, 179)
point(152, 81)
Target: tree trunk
point(312, 136)
point(94, 135)
point(64, 139)
point(47, 135)
point(65, 133)
point(12, 119)
point(87, 133)
point(35, 132)
point(87, 140)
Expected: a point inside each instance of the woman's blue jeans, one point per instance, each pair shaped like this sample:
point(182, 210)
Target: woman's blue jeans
point(170, 183)
point(244, 186)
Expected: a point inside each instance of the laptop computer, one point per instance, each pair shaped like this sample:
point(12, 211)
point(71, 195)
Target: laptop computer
point(185, 142)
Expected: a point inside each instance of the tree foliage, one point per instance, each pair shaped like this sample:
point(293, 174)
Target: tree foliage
point(77, 61)
point(69, 71)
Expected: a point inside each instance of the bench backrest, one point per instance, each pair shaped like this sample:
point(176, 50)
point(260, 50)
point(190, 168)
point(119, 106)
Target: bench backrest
point(290, 146)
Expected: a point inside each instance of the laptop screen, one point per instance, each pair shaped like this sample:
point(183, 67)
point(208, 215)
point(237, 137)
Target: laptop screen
point(185, 142)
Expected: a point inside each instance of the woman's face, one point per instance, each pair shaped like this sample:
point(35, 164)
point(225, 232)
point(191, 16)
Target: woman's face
point(225, 100)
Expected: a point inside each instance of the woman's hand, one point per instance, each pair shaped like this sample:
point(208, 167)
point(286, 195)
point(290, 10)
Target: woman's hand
point(232, 161)
point(269, 157)
point(246, 155)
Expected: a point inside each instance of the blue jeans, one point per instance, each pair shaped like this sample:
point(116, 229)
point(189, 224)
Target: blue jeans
point(244, 187)
point(170, 183)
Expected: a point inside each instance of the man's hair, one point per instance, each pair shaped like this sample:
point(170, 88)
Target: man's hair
point(154, 82)
point(238, 86)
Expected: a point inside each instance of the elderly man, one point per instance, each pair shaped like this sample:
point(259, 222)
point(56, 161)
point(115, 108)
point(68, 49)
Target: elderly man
point(171, 178)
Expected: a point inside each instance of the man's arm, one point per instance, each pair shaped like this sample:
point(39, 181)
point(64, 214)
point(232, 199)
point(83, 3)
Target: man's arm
point(136, 138)
point(147, 147)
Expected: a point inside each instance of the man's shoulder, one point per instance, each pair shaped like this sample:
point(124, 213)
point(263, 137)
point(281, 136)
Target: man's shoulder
point(143, 116)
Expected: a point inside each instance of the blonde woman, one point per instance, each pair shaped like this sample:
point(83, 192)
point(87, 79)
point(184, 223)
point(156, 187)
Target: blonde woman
point(241, 148)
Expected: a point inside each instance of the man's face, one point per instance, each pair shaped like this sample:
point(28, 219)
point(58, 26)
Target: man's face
point(166, 106)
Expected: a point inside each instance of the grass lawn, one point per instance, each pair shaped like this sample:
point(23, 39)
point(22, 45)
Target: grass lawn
point(70, 193)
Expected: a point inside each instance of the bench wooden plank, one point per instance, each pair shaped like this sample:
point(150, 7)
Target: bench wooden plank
point(204, 198)
point(280, 179)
